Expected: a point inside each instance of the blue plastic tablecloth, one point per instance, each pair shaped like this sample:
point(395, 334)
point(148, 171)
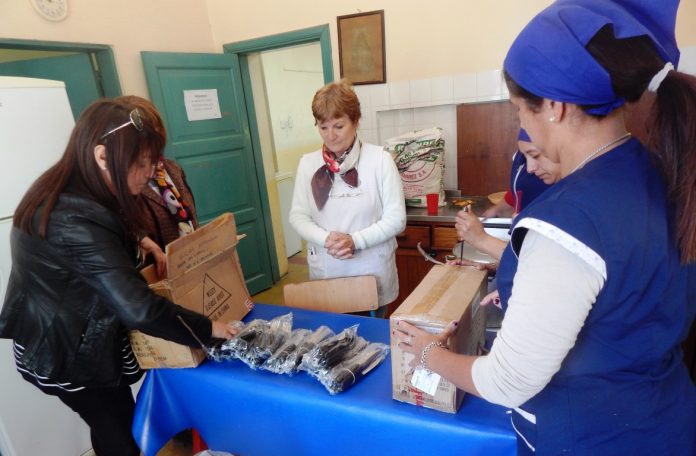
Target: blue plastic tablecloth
point(254, 412)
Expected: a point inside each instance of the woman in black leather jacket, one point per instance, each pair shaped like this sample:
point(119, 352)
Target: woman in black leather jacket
point(75, 289)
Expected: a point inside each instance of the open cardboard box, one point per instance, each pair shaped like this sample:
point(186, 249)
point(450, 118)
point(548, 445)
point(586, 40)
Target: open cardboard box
point(445, 294)
point(203, 275)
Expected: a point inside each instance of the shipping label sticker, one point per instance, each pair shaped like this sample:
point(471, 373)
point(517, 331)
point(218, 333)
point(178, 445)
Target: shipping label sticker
point(425, 380)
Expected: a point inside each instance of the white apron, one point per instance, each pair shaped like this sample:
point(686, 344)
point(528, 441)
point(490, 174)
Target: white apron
point(349, 210)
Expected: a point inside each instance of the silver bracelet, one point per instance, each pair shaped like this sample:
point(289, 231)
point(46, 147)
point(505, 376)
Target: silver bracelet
point(426, 350)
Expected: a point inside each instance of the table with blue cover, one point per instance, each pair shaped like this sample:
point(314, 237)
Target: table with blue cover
point(256, 412)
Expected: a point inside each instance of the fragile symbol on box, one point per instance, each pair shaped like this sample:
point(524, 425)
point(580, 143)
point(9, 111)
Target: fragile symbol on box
point(214, 295)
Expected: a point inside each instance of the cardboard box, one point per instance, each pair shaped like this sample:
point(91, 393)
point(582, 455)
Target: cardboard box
point(445, 294)
point(203, 275)
point(341, 295)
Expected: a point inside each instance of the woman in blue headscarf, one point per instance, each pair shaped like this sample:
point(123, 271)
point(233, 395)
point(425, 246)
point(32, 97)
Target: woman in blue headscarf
point(525, 185)
point(531, 174)
point(598, 279)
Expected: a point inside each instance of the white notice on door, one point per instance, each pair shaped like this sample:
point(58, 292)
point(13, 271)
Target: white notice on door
point(202, 104)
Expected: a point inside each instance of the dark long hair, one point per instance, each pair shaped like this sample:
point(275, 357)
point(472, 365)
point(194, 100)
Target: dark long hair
point(632, 63)
point(77, 171)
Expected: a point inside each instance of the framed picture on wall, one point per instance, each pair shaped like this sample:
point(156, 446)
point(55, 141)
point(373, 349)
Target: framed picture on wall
point(361, 47)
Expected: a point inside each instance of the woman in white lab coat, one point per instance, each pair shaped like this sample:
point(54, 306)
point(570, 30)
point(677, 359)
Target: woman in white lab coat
point(348, 201)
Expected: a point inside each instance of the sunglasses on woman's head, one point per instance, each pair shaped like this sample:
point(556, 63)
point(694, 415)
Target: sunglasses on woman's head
point(135, 120)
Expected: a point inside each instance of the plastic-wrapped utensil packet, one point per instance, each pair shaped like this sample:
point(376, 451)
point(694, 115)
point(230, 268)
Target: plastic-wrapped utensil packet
point(291, 365)
point(275, 363)
point(268, 341)
point(344, 375)
point(235, 347)
point(331, 351)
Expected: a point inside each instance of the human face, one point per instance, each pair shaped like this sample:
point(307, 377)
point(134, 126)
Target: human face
point(338, 134)
point(140, 173)
point(538, 164)
point(542, 126)
point(529, 119)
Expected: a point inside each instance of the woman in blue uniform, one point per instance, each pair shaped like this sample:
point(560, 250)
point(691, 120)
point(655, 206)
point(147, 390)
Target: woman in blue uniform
point(531, 174)
point(595, 278)
point(525, 185)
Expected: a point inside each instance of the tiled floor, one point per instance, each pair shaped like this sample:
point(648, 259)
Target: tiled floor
point(297, 272)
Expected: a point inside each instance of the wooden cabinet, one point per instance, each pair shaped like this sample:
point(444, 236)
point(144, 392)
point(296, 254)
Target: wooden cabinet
point(412, 235)
point(486, 140)
point(437, 238)
point(411, 267)
point(444, 238)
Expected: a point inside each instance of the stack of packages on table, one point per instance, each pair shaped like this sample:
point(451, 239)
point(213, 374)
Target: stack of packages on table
point(338, 361)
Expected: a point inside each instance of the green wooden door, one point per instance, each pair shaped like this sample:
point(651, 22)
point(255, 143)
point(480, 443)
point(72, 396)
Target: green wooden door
point(74, 70)
point(216, 153)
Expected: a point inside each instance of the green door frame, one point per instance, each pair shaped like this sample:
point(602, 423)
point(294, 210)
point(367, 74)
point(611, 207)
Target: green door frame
point(242, 49)
point(104, 56)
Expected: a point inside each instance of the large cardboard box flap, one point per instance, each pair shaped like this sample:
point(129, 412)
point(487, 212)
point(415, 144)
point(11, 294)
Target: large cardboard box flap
point(203, 275)
point(445, 294)
point(341, 295)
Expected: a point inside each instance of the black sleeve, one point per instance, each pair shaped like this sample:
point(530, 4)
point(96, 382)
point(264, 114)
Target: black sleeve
point(101, 255)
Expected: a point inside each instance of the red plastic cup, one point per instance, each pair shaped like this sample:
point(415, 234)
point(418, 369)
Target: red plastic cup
point(432, 199)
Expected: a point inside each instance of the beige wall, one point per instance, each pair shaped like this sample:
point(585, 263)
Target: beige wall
point(129, 26)
point(423, 39)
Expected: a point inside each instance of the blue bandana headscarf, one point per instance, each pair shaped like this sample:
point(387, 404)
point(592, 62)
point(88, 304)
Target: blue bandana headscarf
point(548, 58)
point(523, 136)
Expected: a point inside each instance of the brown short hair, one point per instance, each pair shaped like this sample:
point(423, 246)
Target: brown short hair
point(334, 100)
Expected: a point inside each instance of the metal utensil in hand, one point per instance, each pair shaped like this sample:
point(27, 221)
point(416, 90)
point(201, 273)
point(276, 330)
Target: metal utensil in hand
point(467, 208)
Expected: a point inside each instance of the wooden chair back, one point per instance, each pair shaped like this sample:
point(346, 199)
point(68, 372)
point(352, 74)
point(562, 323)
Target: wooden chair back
point(340, 295)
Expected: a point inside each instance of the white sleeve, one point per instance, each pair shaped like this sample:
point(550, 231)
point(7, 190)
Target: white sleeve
point(552, 294)
point(300, 212)
point(393, 220)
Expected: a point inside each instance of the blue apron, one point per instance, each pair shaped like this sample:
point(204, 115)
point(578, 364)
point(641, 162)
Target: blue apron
point(623, 388)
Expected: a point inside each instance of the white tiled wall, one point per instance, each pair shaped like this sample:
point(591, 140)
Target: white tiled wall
point(395, 108)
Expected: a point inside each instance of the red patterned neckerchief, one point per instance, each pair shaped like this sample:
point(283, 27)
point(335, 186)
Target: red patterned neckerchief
point(323, 178)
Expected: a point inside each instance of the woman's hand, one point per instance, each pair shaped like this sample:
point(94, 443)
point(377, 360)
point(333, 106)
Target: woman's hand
point(413, 340)
point(502, 209)
point(150, 247)
point(492, 298)
point(340, 245)
point(469, 228)
point(223, 330)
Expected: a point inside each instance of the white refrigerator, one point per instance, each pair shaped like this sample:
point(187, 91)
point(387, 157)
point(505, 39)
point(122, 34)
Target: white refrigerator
point(35, 123)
